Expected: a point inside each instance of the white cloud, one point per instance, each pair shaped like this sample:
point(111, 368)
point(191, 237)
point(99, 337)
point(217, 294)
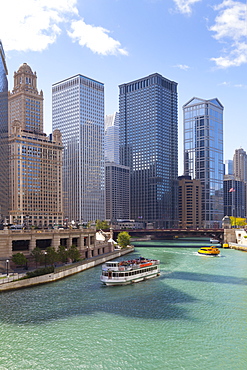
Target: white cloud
point(231, 28)
point(184, 6)
point(35, 24)
point(184, 67)
point(95, 38)
point(239, 86)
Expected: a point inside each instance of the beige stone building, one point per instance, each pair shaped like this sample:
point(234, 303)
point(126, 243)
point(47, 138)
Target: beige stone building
point(189, 203)
point(35, 158)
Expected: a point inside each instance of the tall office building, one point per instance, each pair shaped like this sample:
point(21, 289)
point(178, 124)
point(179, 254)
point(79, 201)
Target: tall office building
point(117, 190)
point(78, 112)
point(35, 159)
point(234, 197)
point(240, 165)
point(228, 167)
point(112, 137)
point(4, 168)
point(189, 202)
point(149, 146)
point(203, 154)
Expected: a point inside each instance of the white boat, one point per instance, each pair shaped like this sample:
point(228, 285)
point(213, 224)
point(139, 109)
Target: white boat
point(128, 272)
point(214, 241)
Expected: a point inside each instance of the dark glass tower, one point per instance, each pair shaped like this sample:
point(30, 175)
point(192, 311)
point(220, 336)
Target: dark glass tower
point(4, 168)
point(149, 146)
point(203, 154)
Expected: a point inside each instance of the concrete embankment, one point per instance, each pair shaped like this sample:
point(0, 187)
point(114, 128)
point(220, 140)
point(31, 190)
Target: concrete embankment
point(238, 247)
point(65, 272)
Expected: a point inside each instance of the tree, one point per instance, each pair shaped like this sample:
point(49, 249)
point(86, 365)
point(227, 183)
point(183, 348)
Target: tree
point(62, 254)
point(37, 255)
point(52, 255)
point(102, 225)
point(74, 253)
point(123, 239)
point(237, 221)
point(19, 259)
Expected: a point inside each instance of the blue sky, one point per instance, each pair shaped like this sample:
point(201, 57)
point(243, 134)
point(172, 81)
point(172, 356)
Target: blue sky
point(202, 45)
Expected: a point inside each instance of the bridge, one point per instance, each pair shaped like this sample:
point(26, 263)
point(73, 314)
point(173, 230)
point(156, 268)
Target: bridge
point(159, 234)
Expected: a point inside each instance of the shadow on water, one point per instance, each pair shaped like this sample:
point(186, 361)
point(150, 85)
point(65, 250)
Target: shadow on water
point(193, 276)
point(73, 297)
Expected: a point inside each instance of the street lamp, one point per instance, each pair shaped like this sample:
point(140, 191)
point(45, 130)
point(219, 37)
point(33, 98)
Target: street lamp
point(45, 258)
point(7, 267)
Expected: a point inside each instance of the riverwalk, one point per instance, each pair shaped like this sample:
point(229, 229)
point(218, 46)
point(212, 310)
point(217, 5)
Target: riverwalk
point(9, 283)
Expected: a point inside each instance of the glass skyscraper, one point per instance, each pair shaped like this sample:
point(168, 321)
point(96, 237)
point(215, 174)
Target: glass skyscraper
point(4, 167)
point(78, 112)
point(149, 146)
point(203, 154)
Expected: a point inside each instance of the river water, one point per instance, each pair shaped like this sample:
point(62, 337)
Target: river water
point(194, 316)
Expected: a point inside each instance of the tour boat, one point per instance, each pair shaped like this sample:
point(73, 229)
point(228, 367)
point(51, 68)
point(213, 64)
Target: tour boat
point(209, 251)
point(128, 272)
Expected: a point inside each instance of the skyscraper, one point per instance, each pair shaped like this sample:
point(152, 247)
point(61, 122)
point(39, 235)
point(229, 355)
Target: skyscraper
point(189, 202)
point(112, 137)
point(117, 190)
point(240, 165)
point(149, 146)
point(234, 197)
point(203, 154)
point(35, 159)
point(228, 167)
point(4, 168)
point(78, 112)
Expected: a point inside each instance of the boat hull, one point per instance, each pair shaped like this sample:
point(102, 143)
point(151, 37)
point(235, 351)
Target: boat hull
point(209, 251)
point(111, 282)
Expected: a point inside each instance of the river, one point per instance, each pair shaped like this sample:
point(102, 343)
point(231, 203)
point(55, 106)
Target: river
point(194, 316)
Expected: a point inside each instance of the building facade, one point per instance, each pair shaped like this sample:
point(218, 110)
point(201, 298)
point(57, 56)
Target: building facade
point(228, 167)
point(4, 168)
point(189, 203)
point(240, 165)
point(117, 192)
point(35, 160)
point(112, 138)
point(78, 112)
point(149, 146)
point(234, 197)
point(203, 154)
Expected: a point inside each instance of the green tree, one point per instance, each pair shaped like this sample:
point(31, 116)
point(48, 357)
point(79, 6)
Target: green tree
point(123, 239)
point(62, 254)
point(51, 256)
point(74, 253)
point(19, 259)
point(37, 255)
point(102, 225)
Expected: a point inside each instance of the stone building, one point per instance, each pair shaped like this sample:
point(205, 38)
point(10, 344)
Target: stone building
point(35, 159)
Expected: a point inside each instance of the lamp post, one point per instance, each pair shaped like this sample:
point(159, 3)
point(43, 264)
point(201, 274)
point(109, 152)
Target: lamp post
point(45, 258)
point(7, 267)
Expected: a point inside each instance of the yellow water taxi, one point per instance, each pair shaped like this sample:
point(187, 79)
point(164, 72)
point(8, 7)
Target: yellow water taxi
point(209, 251)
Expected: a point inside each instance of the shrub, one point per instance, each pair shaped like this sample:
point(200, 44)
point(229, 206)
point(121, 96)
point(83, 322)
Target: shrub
point(39, 272)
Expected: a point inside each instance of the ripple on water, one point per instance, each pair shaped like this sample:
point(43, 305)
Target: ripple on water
point(194, 316)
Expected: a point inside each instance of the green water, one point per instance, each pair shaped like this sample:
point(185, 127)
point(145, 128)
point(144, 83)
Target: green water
point(194, 316)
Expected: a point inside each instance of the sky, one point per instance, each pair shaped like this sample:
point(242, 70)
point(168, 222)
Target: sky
point(202, 45)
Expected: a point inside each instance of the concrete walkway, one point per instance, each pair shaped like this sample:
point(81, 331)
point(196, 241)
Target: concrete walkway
point(61, 272)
